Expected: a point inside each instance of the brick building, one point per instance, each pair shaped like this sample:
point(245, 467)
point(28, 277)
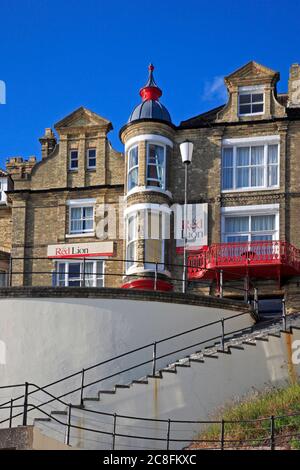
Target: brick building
point(244, 194)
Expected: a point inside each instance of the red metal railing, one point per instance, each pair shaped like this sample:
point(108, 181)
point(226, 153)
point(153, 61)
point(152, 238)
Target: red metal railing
point(247, 254)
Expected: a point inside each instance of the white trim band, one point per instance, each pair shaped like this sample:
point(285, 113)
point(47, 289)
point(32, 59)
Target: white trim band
point(144, 189)
point(250, 209)
point(160, 139)
point(275, 139)
point(144, 206)
point(81, 202)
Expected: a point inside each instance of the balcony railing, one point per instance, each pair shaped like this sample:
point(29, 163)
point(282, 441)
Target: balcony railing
point(259, 258)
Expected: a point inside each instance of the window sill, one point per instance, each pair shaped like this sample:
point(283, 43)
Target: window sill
point(141, 270)
point(143, 189)
point(80, 235)
point(251, 114)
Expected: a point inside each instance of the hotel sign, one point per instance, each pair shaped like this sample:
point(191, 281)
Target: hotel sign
point(197, 215)
point(80, 250)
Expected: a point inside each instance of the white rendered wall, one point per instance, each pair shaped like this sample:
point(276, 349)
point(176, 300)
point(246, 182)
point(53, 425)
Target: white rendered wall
point(47, 338)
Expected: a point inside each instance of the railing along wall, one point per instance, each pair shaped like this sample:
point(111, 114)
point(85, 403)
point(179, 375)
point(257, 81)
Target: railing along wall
point(52, 277)
point(25, 406)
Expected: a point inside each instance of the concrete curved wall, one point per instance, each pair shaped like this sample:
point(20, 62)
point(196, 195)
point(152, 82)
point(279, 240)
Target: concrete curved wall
point(50, 333)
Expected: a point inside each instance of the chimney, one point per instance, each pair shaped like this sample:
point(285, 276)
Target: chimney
point(48, 142)
point(294, 86)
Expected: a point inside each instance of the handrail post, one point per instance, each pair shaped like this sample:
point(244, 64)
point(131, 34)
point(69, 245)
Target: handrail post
point(221, 284)
point(222, 434)
point(168, 434)
point(272, 433)
point(283, 317)
point(155, 277)
point(68, 428)
point(10, 271)
point(25, 406)
point(223, 334)
point(114, 431)
point(11, 412)
point(154, 358)
point(82, 387)
point(83, 279)
point(246, 288)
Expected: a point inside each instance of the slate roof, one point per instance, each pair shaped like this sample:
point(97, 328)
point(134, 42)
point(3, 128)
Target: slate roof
point(208, 118)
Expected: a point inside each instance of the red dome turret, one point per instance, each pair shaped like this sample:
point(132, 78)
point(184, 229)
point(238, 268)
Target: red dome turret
point(150, 91)
point(150, 108)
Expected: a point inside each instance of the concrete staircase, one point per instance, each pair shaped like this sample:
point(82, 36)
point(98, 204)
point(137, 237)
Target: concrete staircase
point(192, 388)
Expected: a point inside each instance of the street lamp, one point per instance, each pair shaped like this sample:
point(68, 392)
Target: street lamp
point(186, 150)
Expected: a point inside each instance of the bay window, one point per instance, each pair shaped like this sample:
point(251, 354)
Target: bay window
point(154, 243)
point(79, 273)
point(156, 162)
point(147, 228)
point(133, 167)
point(250, 166)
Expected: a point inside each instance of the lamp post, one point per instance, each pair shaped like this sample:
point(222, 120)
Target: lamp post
point(186, 150)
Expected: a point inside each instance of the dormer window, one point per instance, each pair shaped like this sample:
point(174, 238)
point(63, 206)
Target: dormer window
point(251, 100)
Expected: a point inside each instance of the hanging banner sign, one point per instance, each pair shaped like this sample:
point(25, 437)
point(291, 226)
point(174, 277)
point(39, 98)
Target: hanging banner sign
point(80, 250)
point(197, 221)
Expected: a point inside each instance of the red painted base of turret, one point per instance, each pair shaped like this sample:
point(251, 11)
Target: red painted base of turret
point(148, 284)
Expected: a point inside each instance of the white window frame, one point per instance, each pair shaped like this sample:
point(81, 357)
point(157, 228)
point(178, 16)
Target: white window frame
point(67, 263)
point(251, 142)
point(129, 170)
point(3, 188)
point(91, 167)
point(250, 90)
point(135, 210)
point(131, 264)
point(248, 211)
point(71, 159)
point(151, 266)
point(164, 147)
point(3, 278)
point(81, 204)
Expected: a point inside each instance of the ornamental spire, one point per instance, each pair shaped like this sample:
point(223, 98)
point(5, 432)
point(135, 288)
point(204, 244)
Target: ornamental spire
point(150, 91)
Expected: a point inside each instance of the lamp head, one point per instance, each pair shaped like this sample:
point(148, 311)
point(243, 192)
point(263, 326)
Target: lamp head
point(186, 150)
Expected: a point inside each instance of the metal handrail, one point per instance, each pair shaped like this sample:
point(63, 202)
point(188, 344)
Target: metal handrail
point(153, 360)
point(245, 253)
point(108, 260)
point(28, 407)
point(269, 439)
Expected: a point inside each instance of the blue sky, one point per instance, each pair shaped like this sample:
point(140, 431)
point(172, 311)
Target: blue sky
point(59, 55)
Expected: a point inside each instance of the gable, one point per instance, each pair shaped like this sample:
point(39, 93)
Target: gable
point(252, 72)
point(83, 117)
